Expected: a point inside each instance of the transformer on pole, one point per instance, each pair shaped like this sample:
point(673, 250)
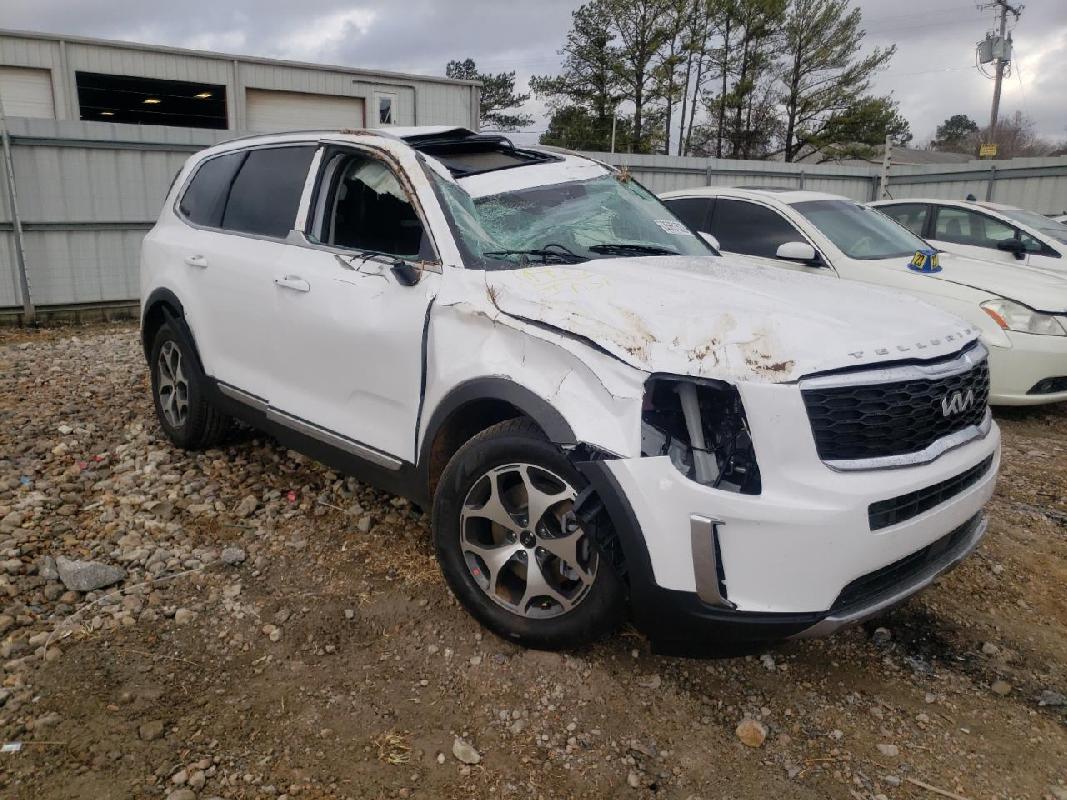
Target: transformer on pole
point(996, 49)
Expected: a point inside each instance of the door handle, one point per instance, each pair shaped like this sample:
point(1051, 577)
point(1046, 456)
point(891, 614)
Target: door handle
point(196, 261)
point(293, 283)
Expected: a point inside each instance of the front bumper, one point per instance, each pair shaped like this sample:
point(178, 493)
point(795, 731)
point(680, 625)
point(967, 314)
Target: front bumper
point(1015, 370)
point(801, 558)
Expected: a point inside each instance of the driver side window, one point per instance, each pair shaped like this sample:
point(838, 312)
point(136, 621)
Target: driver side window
point(363, 206)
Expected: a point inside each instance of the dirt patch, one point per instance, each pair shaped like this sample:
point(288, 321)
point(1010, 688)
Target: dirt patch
point(284, 631)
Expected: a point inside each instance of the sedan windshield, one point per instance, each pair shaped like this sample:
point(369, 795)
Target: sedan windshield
point(566, 223)
point(1049, 227)
point(860, 232)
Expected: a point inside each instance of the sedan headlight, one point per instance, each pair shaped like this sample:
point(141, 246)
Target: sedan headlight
point(1012, 316)
point(701, 426)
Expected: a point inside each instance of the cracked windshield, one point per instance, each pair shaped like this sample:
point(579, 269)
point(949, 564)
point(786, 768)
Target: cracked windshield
point(567, 223)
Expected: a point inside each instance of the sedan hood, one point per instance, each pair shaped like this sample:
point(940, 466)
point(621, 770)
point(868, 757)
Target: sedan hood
point(716, 318)
point(1042, 290)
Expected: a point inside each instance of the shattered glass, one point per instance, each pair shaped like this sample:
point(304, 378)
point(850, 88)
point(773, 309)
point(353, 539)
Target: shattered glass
point(574, 216)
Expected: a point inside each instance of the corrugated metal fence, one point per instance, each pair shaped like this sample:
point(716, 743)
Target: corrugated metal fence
point(1039, 184)
point(88, 192)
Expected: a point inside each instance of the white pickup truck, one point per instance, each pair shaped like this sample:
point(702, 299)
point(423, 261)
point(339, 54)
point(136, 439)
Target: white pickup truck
point(603, 417)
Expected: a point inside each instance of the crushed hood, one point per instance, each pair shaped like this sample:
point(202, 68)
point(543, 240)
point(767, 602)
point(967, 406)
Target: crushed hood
point(1042, 290)
point(712, 318)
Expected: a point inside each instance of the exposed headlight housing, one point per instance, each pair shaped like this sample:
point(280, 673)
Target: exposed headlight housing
point(1012, 316)
point(701, 426)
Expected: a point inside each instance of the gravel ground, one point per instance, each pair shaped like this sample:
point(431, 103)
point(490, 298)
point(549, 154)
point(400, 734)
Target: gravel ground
point(265, 628)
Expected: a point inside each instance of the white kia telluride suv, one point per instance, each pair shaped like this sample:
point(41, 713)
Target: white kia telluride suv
point(601, 417)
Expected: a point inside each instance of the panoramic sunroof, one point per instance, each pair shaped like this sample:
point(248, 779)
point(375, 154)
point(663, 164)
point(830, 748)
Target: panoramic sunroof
point(466, 153)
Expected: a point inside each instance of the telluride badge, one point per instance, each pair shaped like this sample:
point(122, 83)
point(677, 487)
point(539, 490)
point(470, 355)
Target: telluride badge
point(925, 260)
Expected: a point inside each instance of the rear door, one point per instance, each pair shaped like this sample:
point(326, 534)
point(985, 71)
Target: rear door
point(239, 207)
point(349, 333)
point(755, 232)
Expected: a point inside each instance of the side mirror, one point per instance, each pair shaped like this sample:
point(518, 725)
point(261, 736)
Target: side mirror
point(707, 237)
point(1013, 246)
point(801, 252)
point(405, 273)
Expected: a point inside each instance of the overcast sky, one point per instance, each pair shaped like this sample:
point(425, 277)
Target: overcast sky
point(932, 74)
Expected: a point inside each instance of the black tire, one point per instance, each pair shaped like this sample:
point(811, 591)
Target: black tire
point(602, 607)
point(202, 426)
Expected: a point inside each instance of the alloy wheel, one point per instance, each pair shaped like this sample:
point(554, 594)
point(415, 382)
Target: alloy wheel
point(522, 543)
point(172, 385)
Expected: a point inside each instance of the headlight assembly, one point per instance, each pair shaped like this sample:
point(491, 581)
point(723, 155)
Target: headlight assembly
point(701, 426)
point(1012, 316)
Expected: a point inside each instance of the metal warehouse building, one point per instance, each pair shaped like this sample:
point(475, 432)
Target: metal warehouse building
point(98, 129)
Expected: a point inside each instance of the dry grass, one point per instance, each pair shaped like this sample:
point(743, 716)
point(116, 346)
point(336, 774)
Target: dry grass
point(393, 747)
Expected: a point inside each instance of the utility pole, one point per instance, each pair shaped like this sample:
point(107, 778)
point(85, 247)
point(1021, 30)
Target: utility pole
point(1002, 55)
point(887, 161)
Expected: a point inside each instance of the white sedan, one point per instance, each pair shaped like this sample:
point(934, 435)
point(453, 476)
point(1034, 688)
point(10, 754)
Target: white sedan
point(1021, 313)
point(989, 231)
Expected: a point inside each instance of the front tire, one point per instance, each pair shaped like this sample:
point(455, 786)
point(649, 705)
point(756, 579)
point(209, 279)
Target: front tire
point(512, 550)
point(179, 394)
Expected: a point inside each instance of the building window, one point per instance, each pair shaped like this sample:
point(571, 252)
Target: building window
point(148, 101)
point(386, 108)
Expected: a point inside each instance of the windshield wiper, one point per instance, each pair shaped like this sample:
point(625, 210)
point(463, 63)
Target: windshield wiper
point(557, 252)
point(609, 248)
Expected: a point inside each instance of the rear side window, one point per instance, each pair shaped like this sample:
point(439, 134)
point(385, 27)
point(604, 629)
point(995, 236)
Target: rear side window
point(968, 227)
point(693, 211)
point(911, 215)
point(750, 229)
point(204, 199)
point(266, 192)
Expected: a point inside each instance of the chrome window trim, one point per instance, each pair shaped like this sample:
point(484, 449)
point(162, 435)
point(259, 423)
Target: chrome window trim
point(906, 372)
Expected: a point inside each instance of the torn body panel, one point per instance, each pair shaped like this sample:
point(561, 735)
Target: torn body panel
point(562, 370)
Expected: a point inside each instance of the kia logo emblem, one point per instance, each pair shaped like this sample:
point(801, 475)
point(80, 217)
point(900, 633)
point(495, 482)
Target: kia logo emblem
point(957, 402)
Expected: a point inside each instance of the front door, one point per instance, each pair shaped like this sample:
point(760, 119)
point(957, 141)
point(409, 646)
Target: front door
point(755, 232)
point(349, 332)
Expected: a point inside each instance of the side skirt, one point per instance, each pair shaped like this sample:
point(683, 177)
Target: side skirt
point(377, 470)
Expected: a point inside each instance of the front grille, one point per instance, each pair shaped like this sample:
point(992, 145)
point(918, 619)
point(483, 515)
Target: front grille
point(903, 507)
point(867, 587)
point(893, 419)
point(1049, 386)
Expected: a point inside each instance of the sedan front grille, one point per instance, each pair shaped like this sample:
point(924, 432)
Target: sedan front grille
point(882, 418)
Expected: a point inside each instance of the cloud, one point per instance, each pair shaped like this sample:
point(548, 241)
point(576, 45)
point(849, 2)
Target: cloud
point(932, 75)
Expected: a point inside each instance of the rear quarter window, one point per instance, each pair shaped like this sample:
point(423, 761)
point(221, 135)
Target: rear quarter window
point(204, 199)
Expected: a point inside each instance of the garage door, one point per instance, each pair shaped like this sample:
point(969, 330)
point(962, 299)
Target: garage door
point(267, 110)
point(27, 92)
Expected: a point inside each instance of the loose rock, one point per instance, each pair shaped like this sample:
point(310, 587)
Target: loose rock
point(751, 732)
point(464, 752)
point(85, 576)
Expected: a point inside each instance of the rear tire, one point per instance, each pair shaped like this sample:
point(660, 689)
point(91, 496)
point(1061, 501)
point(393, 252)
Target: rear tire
point(179, 393)
point(534, 578)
